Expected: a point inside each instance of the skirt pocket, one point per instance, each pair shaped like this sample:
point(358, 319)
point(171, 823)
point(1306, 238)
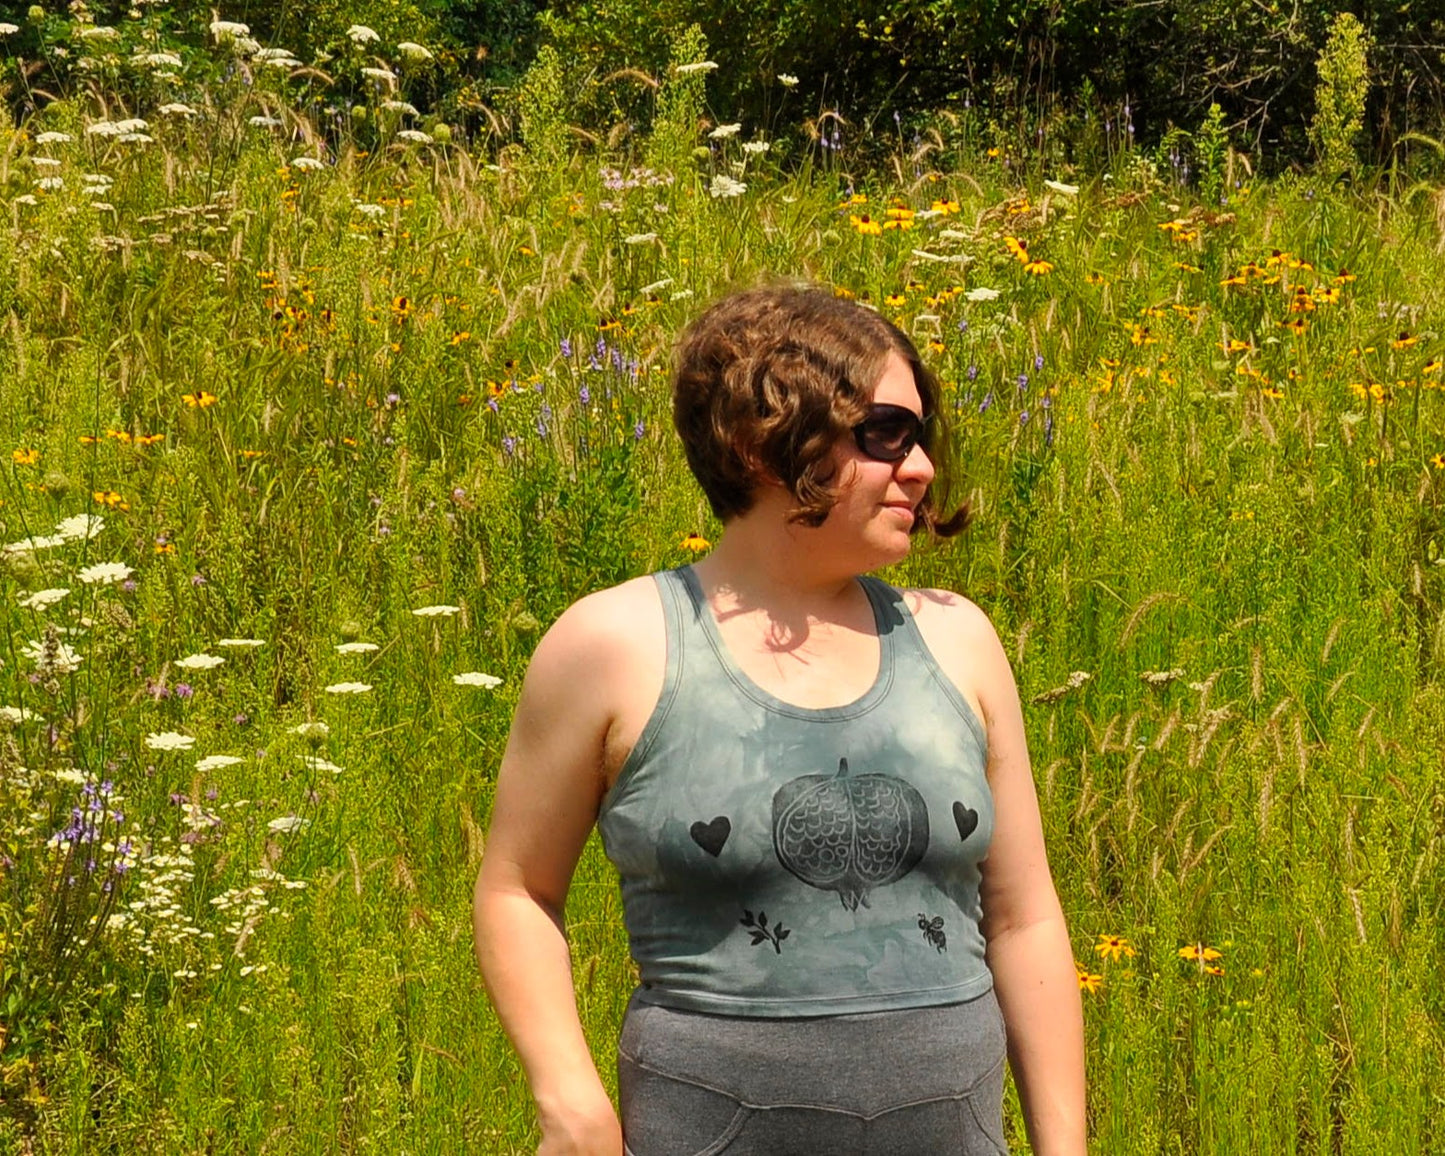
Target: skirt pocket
point(666, 1116)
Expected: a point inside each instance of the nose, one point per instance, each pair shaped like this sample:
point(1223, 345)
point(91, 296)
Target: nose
point(917, 466)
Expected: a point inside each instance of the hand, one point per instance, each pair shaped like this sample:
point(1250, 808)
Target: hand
point(581, 1129)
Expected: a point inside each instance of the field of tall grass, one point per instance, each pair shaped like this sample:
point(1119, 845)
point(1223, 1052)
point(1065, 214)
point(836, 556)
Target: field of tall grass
point(309, 427)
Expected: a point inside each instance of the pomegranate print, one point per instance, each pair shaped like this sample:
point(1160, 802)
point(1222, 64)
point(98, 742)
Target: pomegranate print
point(849, 834)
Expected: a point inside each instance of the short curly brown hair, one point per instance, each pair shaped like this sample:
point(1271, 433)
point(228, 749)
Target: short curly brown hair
point(766, 382)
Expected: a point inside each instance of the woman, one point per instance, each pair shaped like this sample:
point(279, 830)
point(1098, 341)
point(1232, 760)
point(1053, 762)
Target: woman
point(815, 787)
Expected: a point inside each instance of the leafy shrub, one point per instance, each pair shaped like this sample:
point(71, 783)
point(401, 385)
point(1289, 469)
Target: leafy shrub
point(1344, 82)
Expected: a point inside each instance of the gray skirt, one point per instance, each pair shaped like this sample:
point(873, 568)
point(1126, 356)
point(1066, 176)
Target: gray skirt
point(920, 1082)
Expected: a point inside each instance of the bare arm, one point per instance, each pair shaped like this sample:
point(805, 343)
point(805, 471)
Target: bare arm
point(548, 792)
point(1028, 941)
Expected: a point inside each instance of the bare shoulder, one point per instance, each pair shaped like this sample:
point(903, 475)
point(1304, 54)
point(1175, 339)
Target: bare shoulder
point(951, 609)
point(604, 632)
point(600, 668)
point(965, 645)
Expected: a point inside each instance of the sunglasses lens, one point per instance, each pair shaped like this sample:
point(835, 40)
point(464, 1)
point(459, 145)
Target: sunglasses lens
point(891, 435)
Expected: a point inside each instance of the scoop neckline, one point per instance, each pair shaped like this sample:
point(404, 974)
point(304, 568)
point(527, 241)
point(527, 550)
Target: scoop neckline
point(865, 702)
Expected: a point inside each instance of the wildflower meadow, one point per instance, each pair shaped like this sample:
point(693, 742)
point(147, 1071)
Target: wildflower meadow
point(315, 413)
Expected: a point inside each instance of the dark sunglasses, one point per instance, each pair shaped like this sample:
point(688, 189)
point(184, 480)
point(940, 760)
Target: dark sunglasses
point(889, 433)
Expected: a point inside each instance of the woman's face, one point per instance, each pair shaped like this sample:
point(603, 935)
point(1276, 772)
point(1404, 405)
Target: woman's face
point(875, 511)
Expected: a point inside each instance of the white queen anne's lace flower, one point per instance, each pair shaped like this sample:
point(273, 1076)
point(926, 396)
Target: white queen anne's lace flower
point(200, 661)
point(225, 29)
point(348, 688)
point(361, 34)
point(982, 293)
point(356, 647)
point(306, 164)
point(413, 136)
point(169, 741)
point(241, 643)
point(410, 50)
point(51, 137)
point(436, 611)
point(477, 678)
point(315, 763)
point(288, 824)
point(63, 661)
point(725, 186)
point(723, 131)
point(216, 762)
point(42, 599)
point(105, 573)
point(79, 526)
point(700, 66)
point(16, 714)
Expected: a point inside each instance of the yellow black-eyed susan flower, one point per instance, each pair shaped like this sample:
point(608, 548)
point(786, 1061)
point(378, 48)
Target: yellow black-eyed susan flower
point(200, 400)
point(1114, 947)
point(25, 457)
point(695, 542)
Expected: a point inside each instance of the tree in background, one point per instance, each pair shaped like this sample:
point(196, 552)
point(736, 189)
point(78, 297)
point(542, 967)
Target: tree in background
point(1340, 93)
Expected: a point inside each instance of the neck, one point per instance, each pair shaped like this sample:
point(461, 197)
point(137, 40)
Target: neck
point(763, 562)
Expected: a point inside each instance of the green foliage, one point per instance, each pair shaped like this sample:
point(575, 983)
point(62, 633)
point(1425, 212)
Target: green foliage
point(681, 102)
point(1211, 152)
point(542, 104)
point(1207, 462)
point(1340, 95)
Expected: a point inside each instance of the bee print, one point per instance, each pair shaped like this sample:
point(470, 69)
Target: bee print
point(933, 931)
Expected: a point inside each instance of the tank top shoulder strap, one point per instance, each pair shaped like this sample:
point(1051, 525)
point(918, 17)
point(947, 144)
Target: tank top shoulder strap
point(913, 650)
point(676, 611)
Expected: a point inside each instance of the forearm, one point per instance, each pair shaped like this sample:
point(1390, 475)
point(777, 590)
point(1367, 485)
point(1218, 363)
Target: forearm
point(1038, 992)
point(528, 972)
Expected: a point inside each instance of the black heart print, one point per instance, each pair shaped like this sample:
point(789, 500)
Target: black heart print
point(966, 818)
point(711, 836)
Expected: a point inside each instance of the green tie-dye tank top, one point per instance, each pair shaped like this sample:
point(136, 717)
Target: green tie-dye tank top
point(779, 860)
